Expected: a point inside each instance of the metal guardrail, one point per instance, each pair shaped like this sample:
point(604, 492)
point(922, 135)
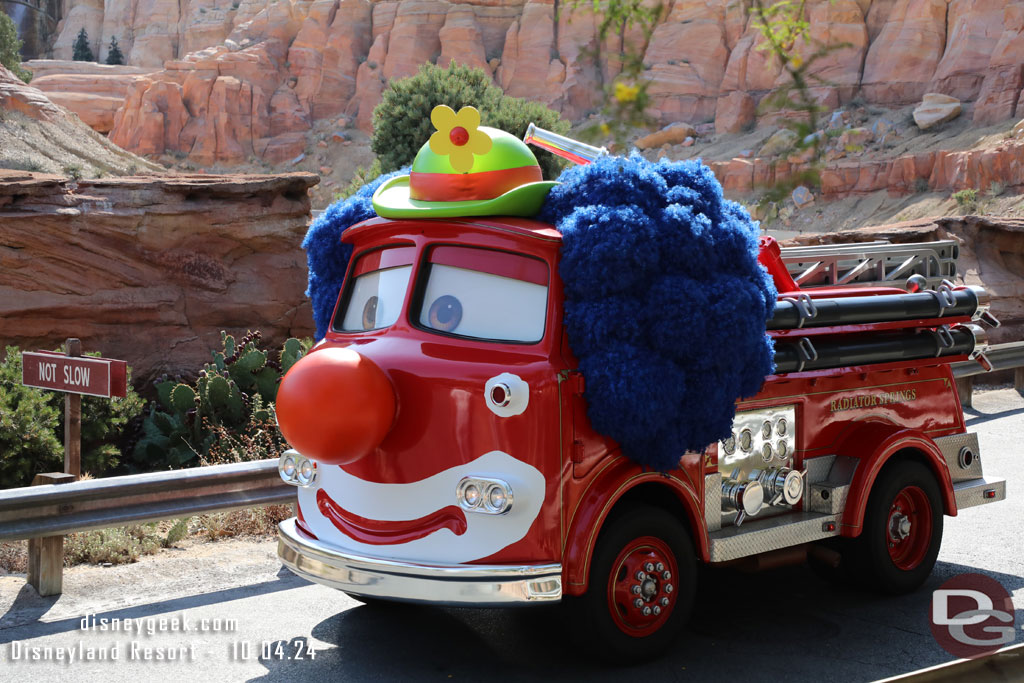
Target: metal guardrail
point(1008, 356)
point(1002, 357)
point(54, 506)
point(60, 509)
point(1005, 665)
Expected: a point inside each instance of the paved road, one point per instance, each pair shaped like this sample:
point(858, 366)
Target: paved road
point(782, 625)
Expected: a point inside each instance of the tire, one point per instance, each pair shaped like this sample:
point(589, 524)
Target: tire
point(606, 616)
point(899, 543)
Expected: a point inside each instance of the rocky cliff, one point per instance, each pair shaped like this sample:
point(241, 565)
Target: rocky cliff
point(151, 269)
point(248, 78)
point(38, 135)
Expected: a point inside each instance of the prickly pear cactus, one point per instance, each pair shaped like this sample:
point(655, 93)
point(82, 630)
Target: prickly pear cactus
point(231, 399)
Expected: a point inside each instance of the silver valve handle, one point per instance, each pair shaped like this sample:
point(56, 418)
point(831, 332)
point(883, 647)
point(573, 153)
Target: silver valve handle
point(567, 148)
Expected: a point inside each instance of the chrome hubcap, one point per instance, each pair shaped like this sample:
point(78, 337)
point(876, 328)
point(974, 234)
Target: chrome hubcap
point(899, 527)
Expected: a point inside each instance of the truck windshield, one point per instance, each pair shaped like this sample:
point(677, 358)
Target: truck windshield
point(375, 297)
point(485, 294)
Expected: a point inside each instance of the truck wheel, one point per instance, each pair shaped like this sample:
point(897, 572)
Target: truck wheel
point(902, 528)
point(642, 581)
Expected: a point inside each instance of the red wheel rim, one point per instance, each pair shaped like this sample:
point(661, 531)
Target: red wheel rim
point(637, 565)
point(908, 528)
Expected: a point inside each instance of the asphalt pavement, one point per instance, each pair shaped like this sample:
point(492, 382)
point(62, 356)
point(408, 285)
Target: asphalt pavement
point(256, 621)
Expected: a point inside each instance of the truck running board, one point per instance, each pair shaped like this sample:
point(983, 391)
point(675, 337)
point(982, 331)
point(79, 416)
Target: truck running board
point(764, 535)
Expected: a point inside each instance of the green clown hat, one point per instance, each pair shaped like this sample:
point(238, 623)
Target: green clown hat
point(465, 170)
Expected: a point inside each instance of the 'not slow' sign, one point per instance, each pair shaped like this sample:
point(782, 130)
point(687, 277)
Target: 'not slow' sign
point(77, 375)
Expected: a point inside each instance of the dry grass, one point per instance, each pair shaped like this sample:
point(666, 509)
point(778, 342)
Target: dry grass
point(14, 557)
point(249, 522)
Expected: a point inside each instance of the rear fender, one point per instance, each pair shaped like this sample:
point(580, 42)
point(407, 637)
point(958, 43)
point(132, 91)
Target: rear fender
point(887, 441)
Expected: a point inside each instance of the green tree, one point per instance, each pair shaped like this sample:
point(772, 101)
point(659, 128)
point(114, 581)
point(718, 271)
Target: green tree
point(401, 122)
point(114, 55)
point(82, 51)
point(10, 48)
point(32, 427)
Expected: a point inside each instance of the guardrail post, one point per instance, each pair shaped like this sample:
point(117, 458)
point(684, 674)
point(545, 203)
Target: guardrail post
point(46, 555)
point(964, 387)
point(1018, 380)
point(73, 420)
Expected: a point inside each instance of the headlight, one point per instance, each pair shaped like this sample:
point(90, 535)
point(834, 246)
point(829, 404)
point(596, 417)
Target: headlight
point(471, 495)
point(490, 496)
point(288, 467)
point(296, 469)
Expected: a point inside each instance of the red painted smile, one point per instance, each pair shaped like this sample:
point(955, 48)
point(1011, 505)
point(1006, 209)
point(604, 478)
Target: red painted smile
point(387, 532)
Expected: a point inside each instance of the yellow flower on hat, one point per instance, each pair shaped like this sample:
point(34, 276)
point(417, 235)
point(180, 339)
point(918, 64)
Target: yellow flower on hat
point(457, 136)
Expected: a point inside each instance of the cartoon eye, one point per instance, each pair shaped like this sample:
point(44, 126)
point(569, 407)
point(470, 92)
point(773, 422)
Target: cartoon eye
point(370, 313)
point(445, 313)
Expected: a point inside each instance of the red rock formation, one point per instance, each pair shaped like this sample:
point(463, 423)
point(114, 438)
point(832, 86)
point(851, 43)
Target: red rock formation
point(288, 64)
point(173, 260)
point(1004, 78)
point(25, 99)
point(943, 171)
point(902, 60)
point(94, 95)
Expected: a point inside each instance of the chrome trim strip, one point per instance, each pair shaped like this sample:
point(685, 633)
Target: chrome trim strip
point(713, 501)
point(478, 585)
point(972, 493)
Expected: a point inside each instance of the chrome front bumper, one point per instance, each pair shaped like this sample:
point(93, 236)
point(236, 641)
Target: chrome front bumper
point(466, 584)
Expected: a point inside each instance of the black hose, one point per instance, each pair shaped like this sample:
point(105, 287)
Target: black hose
point(873, 309)
point(795, 355)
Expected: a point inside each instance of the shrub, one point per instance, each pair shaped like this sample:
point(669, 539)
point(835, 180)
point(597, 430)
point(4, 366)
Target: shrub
point(227, 415)
point(28, 428)
point(81, 52)
point(32, 427)
point(114, 55)
point(401, 122)
point(966, 200)
point(10, 48)
point(117, 546)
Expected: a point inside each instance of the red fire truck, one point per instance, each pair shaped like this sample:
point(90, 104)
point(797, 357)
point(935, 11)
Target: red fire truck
point(443, 452)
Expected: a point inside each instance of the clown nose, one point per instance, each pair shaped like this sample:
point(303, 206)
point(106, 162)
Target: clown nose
point(335, 406)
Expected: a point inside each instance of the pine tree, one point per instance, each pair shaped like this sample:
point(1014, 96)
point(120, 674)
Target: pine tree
point(114, 55)
point(82, 51)
point(10, 48)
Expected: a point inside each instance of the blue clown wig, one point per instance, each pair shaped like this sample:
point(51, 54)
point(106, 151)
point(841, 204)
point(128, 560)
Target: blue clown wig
point(327, 256)
point(665, 302)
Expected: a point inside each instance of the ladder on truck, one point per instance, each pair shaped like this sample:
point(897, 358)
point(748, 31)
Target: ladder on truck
point(871, 263)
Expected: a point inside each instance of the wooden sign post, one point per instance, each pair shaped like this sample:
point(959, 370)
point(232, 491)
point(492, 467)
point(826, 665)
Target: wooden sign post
point(73, 420)
point(75, 375)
